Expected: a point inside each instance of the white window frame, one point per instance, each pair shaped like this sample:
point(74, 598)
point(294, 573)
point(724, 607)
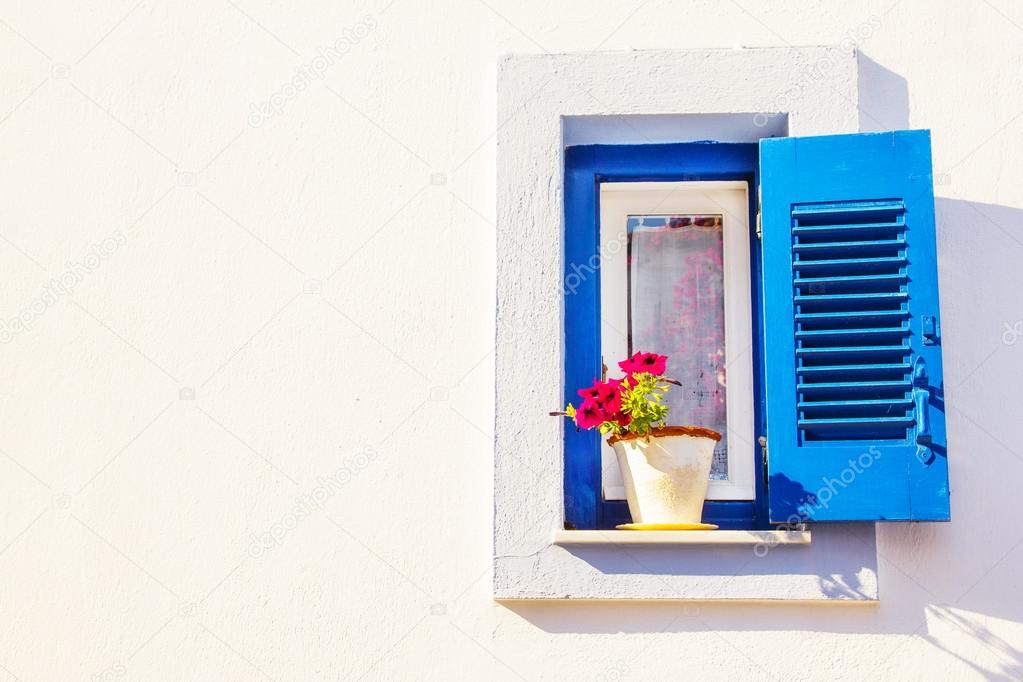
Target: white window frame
point(618, 200)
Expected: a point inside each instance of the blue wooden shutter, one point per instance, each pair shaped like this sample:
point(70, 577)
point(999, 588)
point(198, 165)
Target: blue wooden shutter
point(855, 411)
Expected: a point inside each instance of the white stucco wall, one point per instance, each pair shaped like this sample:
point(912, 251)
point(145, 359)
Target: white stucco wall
point(287, 327)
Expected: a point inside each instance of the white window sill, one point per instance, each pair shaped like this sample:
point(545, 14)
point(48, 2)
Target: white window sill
point(839, 565)
point(768, 538)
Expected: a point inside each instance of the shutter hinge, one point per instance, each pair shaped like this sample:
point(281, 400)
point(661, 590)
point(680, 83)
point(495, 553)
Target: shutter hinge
point(760, 222)
point(762, 441)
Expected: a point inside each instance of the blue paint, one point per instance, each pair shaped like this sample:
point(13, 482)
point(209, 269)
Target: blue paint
point(585, 168)
point(855, 410)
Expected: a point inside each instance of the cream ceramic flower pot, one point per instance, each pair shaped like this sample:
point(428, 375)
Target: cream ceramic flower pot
point(666, 475)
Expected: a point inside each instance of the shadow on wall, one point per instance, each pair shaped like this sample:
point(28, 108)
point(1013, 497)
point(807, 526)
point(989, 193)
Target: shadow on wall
point(1009, 657)
point(884, 97)
point(936, 580)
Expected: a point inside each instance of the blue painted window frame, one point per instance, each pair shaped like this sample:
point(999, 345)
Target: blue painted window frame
point(586, 167)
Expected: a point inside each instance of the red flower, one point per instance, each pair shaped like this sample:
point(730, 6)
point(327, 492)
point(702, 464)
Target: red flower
point(644, 362)
point(606, 394)
point(590, 414)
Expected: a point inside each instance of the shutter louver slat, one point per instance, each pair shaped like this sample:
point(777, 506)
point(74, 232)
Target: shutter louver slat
point(851, 265)
point(823, 406)
point(845, 247)
point(880, 229)
point(849, 352)
point(827, 300)
point(847, 292)
point(838, 389)
point(854, 428)
point(858, 370)
point(851, 316)
point(828, 334)
point(853, 281)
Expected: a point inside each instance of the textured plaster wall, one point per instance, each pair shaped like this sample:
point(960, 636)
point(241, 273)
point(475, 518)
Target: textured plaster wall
point(247, 353)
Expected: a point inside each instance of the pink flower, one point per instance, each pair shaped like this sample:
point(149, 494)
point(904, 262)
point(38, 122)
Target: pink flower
point(623, 418)
point(606, 394)
point(644, 362)
point(590, 414)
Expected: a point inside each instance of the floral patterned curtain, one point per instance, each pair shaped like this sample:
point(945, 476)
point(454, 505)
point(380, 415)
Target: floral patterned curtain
point(676, 308)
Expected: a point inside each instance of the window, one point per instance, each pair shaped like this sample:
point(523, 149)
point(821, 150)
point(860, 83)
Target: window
point(675, 280)
point(608, 189)
point(617, 117)
point(823, 339)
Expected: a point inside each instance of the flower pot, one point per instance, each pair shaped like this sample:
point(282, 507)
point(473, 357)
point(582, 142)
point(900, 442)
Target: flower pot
point(666, 474)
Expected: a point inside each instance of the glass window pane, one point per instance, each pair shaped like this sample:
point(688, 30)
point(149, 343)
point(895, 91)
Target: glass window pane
point(677, 308)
